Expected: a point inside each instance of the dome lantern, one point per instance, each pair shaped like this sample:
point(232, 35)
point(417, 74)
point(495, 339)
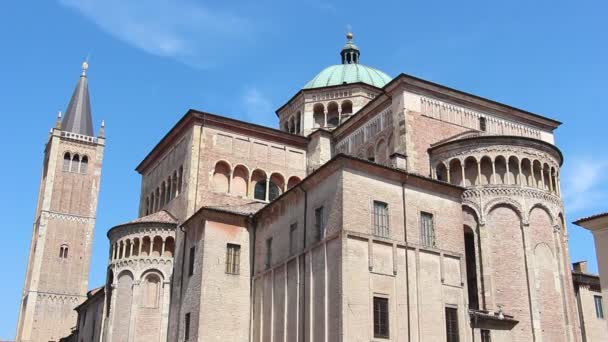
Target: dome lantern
point(350, 52)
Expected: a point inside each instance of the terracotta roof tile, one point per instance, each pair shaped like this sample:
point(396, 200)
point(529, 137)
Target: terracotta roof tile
point(242, 209)
point(162, 216)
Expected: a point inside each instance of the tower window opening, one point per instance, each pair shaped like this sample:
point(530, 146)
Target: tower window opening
point(63, 252)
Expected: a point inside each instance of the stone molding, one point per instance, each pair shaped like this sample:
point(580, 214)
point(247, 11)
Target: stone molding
point(141, 229)
point(66, 217)
point(523, 200)
point(465, 117)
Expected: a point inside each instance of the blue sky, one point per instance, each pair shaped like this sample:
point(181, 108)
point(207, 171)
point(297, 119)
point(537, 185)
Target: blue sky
point(151, 60)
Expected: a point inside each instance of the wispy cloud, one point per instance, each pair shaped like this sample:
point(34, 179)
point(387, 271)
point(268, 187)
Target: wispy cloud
point(188, 31)
point(258, 107)
point(582, 180)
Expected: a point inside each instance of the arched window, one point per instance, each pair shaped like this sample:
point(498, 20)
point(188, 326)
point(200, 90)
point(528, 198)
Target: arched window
point(347, 108)
point(221, 177)
point(500, 166)
point(456, 172)
point(121, 250)
point(151, 291)
point(63, 251)
point(258, 182)
point(293, 181)
point(527, 178)
point(486, 171)
point(180, 180)
point(169, 247)
point(299, 123)
point(513, 171)
point(471, 172)
point(75, 163)
point(240, 177)
point(84, 164)
point(145, 247)
point(169, 190)
point(136, 247)
point(157, 201)
point(259, 191)
point(441, 172)
point(471, 264)
point(292, 125)
point(276, 186)
point(163, 196)
point(157, 246)
point(128, 248)
point(67, 159)
point(174, 184)
point(333, 118)
point(318, 115)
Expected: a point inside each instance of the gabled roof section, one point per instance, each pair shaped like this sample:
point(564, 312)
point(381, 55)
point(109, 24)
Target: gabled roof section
point(78, 118)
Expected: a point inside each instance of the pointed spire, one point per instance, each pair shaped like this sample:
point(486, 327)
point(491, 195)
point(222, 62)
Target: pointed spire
point(58, 123)
point(102, 130)
point(78, 118)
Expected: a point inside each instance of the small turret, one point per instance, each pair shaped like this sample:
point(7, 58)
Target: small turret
point(350, 52)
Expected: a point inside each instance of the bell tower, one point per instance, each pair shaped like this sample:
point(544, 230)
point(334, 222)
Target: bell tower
point(56, 279)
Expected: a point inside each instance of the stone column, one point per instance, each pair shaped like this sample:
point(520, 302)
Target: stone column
point(230, 181)
point(112, 309)
point(448, 169)
point(520, 175)
point(507, 179)
point(542, 177)
point(463, 174)
point(325, 117)
point(530, 267)
point(479, 172)
point(486, 276)
point(267, 188)
point(165, 304)
point(134, 306)
point(494, 172)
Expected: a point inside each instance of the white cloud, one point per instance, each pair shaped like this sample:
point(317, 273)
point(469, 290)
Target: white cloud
point(581, 183)
point(258, 108)
point(188, 31)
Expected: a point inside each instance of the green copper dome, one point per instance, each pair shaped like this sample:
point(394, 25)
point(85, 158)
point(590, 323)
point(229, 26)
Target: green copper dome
point(348, 73)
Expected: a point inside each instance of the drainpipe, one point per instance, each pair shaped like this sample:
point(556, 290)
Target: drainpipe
point(181, 280)
point(407, 271)
point(252, 226)
point(304, 263)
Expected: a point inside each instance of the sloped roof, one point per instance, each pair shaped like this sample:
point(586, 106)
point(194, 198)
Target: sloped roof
point(161, 216)
point(242, 209)
point(78, 118)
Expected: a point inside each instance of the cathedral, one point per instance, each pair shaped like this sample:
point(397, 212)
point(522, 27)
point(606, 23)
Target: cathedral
point(383, 209)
